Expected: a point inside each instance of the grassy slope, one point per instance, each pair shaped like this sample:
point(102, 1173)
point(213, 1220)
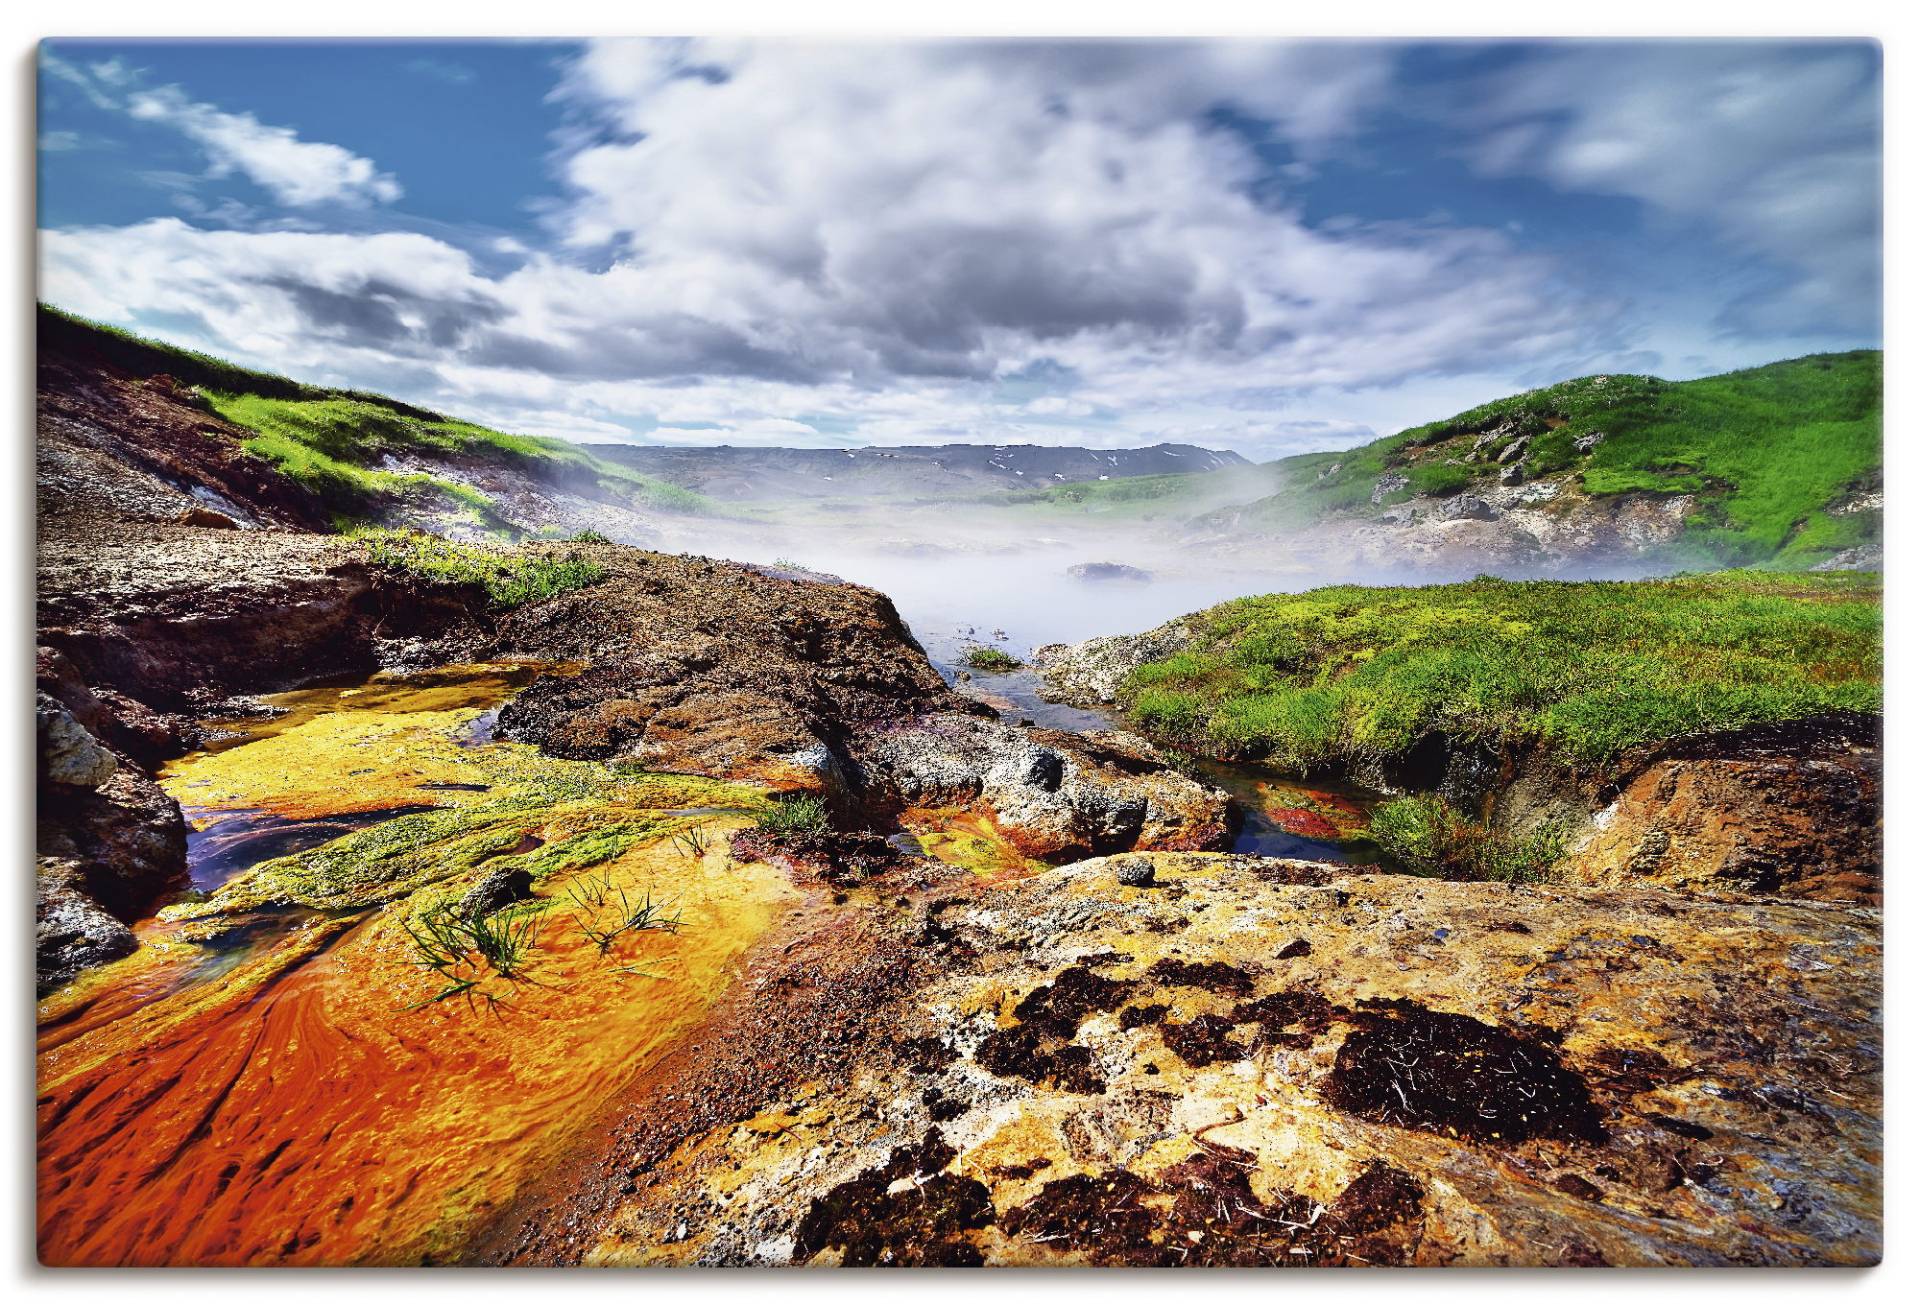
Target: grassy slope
point(332, 441)
point(1766, 449)
point(1347, 674)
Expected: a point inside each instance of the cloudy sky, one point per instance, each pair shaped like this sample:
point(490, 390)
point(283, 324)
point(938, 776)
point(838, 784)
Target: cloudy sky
point(1264, 247)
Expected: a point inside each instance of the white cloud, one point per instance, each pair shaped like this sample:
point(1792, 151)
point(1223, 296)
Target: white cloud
point(1776, 146)
point(871, 239)
point(295, 171)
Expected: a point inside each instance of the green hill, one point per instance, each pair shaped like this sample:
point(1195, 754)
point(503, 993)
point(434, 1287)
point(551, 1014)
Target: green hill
point(1768, 452)
point(334, 442)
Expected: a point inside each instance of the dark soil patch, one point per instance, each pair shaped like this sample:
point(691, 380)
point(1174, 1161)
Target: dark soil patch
point(1061, 1006)
point(1286, 1018)
point(923, 1225)
point(840, 857)
point(1292, 873)
point(1203, 1212)
point(1205, 1039)
point(1409, 1066)
point(1039, 1048)
point(1214, 976)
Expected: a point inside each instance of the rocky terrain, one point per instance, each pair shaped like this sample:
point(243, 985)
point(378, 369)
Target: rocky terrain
point(1098, 1037)
point(1218, 1060)
point(156, 610)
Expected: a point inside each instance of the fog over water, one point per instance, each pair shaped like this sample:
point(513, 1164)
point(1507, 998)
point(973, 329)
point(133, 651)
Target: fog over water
point(1021, 596)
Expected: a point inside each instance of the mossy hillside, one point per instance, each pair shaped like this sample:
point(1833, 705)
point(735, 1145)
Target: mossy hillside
point(333, 441)
point(1765, 450)
point(1344, 676)
point(512, 577)
point(334, 444)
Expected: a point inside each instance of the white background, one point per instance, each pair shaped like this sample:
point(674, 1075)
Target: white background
point(25, 25)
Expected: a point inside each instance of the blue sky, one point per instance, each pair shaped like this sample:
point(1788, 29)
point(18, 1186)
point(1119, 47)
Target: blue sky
point(1271, 247)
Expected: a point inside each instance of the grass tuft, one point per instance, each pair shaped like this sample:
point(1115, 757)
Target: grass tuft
point(1426, 836)
point(462, 948)
point(793, 815)
point(511, 577)
point(991, 660)
point(605, 912)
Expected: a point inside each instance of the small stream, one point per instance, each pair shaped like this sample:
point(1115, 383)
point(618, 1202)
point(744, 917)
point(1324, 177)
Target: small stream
point(1278, 815)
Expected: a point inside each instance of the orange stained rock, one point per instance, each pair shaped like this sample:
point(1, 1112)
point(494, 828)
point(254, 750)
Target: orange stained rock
point(307, 1108)
point(304, 1099)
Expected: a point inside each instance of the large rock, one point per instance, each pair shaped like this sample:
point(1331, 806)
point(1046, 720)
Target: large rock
point(1274, 1062)
point(1091, 673)
point(69, 755)
point(72, 932)
point(1053, 794)
point(1464, 507)
point(717, 669)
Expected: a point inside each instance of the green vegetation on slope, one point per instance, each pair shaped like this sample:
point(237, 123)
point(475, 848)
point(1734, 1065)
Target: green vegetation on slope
point(332, 445)
point(1765, 450)
point(1423, 834)
point(333, 441)
point(1350, 674)
point(511, 577)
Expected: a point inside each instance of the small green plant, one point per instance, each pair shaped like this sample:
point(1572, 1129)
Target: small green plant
point(793, 815)
point(463, 948)
point(693, 842)
point(607, 913)
point(991, 660)
point(589, 536)
point(1426, 836)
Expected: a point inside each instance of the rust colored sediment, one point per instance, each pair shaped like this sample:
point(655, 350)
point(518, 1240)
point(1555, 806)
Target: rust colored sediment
point(312, 1103)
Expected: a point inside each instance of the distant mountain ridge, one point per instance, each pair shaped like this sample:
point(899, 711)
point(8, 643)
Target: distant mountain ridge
point(731, 474)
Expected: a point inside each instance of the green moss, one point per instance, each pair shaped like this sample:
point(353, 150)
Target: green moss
point(511, 577)
point(534, 812)
point(1344, 675)
point(375, 865)
point(593, 846)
